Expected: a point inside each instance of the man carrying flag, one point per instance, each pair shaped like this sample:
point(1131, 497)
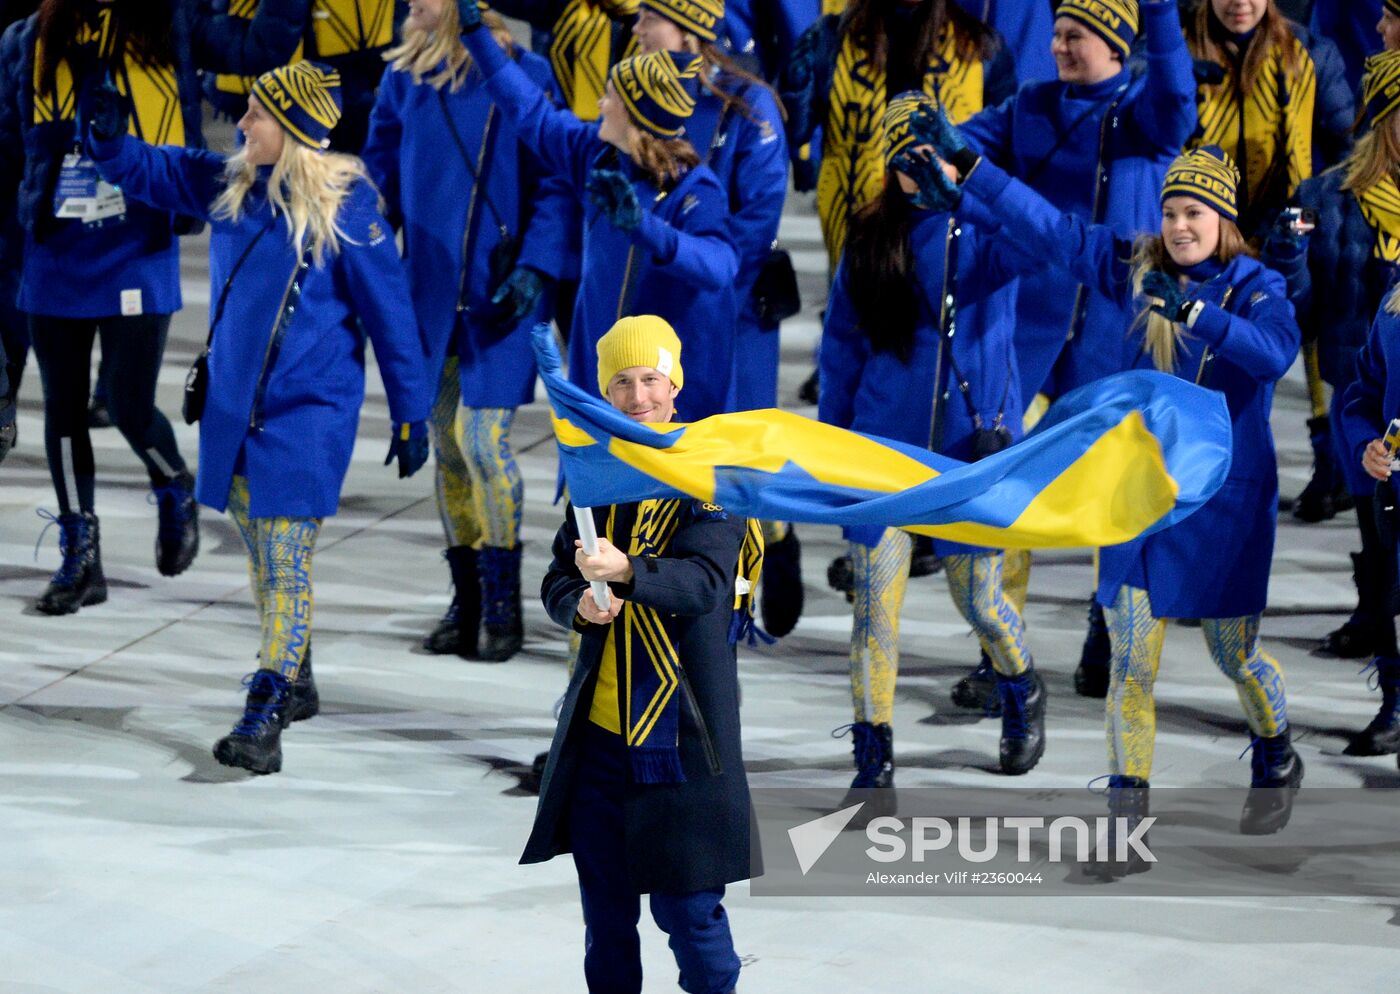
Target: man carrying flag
point(645, 780)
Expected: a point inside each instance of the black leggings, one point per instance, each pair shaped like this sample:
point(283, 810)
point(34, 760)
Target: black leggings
point(132, 348)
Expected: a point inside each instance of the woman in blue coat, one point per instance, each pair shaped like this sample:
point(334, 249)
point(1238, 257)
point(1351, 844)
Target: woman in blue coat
point(456, 179)
point(656, 221)
point(1371, 401)
point(93, 264)
point(306, 266)
point(1096, 142)
point(737, 129)
point(891, 365)
point(1337, 280)
point(1209, 312)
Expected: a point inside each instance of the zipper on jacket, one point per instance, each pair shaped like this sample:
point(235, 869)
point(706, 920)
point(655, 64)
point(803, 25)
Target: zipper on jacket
point(468, 235)
point(285, 312)
point(623, 304)
point(1207, 357)
point(1076, 314)
point(706, 742)
point(947, 320)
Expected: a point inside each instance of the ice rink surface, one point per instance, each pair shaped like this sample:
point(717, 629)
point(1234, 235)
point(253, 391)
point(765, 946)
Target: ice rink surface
point(383, 857)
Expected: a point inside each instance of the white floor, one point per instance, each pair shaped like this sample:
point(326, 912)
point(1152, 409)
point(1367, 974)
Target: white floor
point(383, 857)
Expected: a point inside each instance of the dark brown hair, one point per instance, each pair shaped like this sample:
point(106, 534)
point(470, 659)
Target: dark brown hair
point(865, 22)
point(143, 25)
point(1206, 37)
point(880, 271)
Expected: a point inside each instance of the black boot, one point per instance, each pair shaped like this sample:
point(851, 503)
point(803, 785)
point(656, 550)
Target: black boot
point(1356, 638)
point(808, 392)
point(1276, 772)
point(177, 537)
point(79, 581)
point(97, 414)
point(923, 561)
point(460, 628)
point(781, 603)
point(1022, 721)
point(255, 743)
point(841, 577)
point(1382, 735)
point(306, 699)
point(1091, 675)
point(978, 690)
point(500, 603)
point(533, 782)
point(1127, 807)
point(873, 746)
point(1326, 493)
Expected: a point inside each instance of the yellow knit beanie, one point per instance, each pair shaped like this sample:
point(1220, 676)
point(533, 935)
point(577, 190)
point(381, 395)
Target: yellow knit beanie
point(644, 340)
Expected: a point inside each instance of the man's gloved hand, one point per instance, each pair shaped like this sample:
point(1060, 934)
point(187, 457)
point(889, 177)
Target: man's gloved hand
point(516, 296)
point(468, 16)
point(1165, 296)
point(104, 110)
point(409, 445)
point(936, 192)
point(612, 193)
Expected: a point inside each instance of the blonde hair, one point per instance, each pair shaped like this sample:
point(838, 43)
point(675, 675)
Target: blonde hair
point(306, 187)
point(1375, 156)
point(440, 51)
point(1163, 338)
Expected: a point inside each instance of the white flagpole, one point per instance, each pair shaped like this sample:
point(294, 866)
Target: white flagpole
point(588, 534)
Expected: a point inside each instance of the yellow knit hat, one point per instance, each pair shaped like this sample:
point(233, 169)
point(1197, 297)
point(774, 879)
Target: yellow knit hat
point(644, 340)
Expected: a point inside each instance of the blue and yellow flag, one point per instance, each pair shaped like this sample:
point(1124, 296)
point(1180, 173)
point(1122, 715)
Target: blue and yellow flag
point(1132, 453)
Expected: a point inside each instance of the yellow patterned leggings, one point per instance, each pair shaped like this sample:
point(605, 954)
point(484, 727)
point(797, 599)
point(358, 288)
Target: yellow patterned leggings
point(279, 570)
point(480, 495)
point(979, 593)
point(1137, 638)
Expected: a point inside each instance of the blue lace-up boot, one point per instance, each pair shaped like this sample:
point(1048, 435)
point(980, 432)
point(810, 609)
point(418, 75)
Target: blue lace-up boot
point(1127, 807)
point(1382, 735)
point(177, 538)
point(255, 744)
point(873, 746)
point(79, 581)
point(1022, 721)
point(500, 603)
point(1276, 772)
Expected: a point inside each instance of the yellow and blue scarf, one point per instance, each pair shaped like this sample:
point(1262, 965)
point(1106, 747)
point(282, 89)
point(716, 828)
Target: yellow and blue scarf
point(157, 116)
point(338, 27)
point(1380, 205)
point(581, 51)
point(853, 162)
point(1276, 154)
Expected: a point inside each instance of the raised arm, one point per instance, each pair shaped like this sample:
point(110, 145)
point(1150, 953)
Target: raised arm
point(561, 141)
point(1165, 111)
point(168, 177)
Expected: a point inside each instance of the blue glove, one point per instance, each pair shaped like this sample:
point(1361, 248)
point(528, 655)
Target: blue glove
point(516, 296)
point(612, 193)
point(930, 126)
point(1170, 302)
point(468, 16)
point(104, 110)
point(409, 445)
point(936, 192)
point(1290, 232)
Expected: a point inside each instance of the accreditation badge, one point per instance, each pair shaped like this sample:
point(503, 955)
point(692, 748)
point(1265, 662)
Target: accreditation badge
point(83, 195)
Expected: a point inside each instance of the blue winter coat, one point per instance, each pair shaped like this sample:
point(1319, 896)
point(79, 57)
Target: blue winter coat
point(1028, 27)
point(244, 46)
point(749, 157)
point(765, 30)
point(1372, 399)
point(286, 370)
point(879, 393)
point(430, 192)
point(1214, 564)
point(70, 270)
point(679, 263)
point(1100, 152)
point(1340, 260)
point(1351, 24)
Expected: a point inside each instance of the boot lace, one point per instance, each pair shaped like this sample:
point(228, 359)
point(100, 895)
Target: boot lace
point(70, 545)
point(259, 713)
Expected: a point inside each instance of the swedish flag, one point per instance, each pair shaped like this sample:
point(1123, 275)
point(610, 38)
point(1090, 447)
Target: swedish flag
point(1130, 454)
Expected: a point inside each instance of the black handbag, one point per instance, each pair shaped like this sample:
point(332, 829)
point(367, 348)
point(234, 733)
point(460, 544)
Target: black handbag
point(775, 294)
point(197, 379)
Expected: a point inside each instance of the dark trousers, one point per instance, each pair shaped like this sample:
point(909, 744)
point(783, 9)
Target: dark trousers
point(696, 922)
point(132, 348)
